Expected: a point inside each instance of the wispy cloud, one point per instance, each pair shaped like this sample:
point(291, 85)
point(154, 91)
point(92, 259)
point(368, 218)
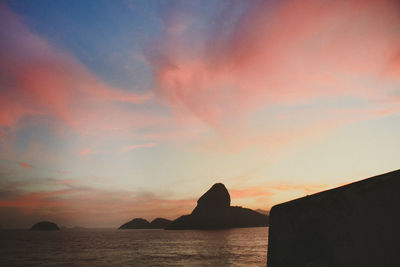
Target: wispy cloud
point(269, 194)
point(133, 147)
point(63, 172)
point(25, 165)
point(73, 203)
point(272, 188)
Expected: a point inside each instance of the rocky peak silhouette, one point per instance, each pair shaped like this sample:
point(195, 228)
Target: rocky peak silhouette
point(214, 200)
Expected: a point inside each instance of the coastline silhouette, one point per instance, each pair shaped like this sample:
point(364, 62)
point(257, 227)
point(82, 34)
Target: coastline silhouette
point(213, 211)
point(140, 223)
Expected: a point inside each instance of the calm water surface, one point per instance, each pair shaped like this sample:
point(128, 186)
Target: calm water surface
point(105, 247)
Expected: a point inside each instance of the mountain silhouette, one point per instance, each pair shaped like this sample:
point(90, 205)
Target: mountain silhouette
point(213, 211)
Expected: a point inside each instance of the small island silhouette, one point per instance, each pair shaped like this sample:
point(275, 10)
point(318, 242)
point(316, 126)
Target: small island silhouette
point(213, 211)
point(45, 226)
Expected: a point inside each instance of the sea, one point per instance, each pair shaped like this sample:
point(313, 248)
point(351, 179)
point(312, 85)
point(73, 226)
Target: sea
point(149, 247)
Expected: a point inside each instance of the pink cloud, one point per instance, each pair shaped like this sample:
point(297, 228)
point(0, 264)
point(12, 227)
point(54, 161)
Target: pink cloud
point(85, 151)
point(25, 165)
point(40, 79)
point(133, 147)
point(284, 53)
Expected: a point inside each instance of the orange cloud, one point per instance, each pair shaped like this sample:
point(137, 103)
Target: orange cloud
point(25, 165)
point(34, 200)
point(270, 194)
point(250, 192)
point(270, 189)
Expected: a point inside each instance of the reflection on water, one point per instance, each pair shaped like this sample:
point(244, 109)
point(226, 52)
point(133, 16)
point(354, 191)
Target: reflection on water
point(241, 247)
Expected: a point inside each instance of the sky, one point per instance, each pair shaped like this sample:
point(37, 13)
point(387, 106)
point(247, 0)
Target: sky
point(112, 110)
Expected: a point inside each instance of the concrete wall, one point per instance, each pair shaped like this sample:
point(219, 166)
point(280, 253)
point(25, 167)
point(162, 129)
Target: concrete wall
point(353, 225)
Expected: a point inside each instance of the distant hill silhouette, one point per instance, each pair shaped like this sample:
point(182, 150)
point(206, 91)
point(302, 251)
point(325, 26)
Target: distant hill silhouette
point(265, 212)
point(160, 223)
point(45, 226)
point(139, 223)
point(213, 211)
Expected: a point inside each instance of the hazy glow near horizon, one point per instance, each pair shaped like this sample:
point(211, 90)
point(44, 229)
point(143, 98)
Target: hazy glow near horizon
point(111, 110)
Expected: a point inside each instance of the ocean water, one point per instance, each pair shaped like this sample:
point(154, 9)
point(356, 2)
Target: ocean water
point(107, 247)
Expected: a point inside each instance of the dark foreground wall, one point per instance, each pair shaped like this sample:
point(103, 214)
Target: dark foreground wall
point(353, 225)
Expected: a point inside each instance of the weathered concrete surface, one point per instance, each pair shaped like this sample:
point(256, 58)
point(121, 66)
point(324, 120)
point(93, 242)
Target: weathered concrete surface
point(350, 226)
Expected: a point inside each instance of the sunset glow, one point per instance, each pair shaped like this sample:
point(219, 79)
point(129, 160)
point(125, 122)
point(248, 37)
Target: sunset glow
point(111, 110)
